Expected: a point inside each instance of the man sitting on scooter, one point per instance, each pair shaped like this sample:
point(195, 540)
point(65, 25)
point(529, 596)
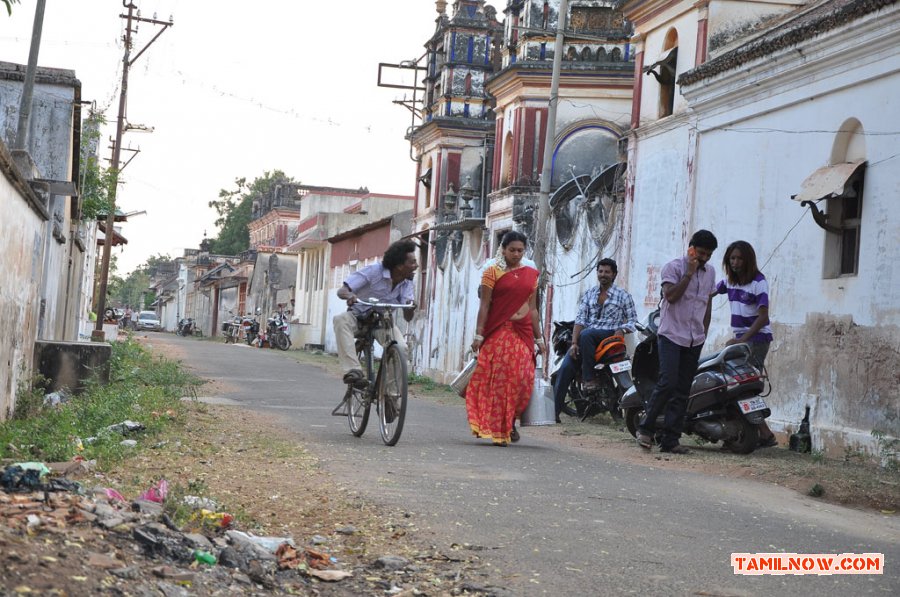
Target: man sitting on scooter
point(605, 309)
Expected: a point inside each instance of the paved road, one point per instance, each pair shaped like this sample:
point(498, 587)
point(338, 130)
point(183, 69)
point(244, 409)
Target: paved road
point(556, 520)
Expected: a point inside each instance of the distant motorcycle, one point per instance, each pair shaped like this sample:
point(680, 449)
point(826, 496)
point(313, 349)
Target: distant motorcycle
point(251, 330)
point(231, 329)
point(278, 331)
point(185, 327)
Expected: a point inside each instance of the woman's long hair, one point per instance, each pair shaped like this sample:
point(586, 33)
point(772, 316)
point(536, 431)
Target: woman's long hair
point(750, 268)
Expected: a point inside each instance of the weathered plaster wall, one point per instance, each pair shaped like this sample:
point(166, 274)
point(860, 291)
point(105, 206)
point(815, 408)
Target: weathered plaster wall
point(21, 251)
point(732, 20)
point(659, 221)
point(847, 372)
point(443, 330)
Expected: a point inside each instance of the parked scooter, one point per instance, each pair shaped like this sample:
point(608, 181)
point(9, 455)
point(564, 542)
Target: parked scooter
point(185, 327)
point(725, 403)
point(278, 331)
point(613, 377)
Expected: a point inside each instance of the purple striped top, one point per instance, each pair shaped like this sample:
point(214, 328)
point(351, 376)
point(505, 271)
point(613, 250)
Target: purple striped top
point(745, 302)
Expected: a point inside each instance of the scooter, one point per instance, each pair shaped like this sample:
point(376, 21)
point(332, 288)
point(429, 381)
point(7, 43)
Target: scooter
point(613, 375)
point(726, 402)
point(185, 327)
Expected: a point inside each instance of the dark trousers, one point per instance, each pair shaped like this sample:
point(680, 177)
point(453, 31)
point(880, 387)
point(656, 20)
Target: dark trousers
point(587, 344)
point(677, 367)
point(588, 341)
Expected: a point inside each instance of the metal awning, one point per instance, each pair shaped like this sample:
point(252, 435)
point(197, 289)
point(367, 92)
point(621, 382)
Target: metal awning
point(830, 181)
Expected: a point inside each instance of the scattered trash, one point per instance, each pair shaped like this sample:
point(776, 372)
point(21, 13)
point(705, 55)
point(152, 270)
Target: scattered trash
point(270, 544)
point(318, 540)
point(330, 575)
point(128, 443)
point(157, 493)
point(40, 467)
point(56, 398)
point(204, 557)
point(221, 519)
point(126, 427)
point(114, 495)
point(200, 502)
point(17, 479)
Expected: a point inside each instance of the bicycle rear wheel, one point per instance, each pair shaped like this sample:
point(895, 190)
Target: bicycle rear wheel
point(358, 402)
point(392, 394)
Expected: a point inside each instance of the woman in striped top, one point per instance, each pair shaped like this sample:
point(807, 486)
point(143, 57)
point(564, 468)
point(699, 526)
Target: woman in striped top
point(748, 294)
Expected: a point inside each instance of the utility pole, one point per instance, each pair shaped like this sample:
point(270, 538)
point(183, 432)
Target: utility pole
point(31, 70)
point(127, 62)
point(543, 216)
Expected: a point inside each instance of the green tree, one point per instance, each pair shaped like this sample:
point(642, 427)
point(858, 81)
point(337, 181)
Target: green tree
point(235, 209)
point(9, 4)
point(94, 180)
point(134, 289)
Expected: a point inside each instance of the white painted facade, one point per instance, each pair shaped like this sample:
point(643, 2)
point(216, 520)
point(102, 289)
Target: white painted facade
point(730, 160)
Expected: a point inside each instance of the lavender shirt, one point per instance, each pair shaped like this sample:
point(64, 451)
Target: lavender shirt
point(682, 321)
point(374, 281)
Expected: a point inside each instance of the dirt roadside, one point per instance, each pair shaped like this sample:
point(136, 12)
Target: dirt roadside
point(256, 471)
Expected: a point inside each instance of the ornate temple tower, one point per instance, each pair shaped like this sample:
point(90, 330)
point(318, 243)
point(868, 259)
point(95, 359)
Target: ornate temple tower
point(457, 117)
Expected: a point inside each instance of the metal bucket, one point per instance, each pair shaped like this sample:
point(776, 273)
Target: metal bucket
point(541, 410)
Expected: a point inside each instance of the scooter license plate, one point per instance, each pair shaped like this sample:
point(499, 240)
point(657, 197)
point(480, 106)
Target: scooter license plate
point(752, 405)
point(619, 367)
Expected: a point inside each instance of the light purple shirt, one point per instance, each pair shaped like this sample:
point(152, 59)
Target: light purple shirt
point(374, 281)
point(682, 321)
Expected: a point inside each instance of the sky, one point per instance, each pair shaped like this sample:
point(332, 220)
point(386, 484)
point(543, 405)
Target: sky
point(232, 90)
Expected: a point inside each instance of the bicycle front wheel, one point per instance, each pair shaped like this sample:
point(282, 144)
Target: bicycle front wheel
point(358, 401)
point(392, 394)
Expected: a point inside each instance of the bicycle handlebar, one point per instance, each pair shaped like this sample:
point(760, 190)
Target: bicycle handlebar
point(383, 305)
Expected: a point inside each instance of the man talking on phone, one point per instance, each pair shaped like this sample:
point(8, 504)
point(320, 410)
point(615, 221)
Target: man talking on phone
point(685, 312)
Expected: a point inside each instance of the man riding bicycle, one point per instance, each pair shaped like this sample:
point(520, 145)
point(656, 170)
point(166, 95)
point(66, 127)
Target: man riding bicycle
point(389, 282)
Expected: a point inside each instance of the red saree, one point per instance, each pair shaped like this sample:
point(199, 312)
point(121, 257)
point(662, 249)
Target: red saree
point(503, 380)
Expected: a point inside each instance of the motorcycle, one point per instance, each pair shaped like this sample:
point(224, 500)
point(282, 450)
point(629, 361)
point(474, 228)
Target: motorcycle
point(613, 378)
point(251, 330)
point(231, 329)
point(726, 401)
point(278, 331)
point(185, 327)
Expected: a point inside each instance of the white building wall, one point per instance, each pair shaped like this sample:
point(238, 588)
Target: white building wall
point(21, 248)
point(761, 132)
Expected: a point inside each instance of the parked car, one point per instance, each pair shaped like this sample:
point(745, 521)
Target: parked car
point(147, 320)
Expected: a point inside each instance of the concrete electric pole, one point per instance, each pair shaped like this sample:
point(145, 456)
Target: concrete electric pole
point(542, 227)
point(127, 62)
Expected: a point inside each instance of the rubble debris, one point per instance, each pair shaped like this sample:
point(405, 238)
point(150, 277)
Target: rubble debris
point(156, 493)
point(126, 427)
point(268, 544)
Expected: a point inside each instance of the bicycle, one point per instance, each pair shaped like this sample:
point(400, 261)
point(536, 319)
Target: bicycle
point(386, 387)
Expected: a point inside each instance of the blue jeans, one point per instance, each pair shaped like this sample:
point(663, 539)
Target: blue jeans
point(677, 367)
point(587, 344)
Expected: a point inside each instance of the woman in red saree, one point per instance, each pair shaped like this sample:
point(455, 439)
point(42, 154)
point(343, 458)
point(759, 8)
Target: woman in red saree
point(507, 330)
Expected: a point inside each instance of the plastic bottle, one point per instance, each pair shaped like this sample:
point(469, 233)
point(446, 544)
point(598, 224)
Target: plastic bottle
point(204, 557)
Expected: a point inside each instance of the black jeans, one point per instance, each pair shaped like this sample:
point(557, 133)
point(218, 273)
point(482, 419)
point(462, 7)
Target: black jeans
point(677, 367)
